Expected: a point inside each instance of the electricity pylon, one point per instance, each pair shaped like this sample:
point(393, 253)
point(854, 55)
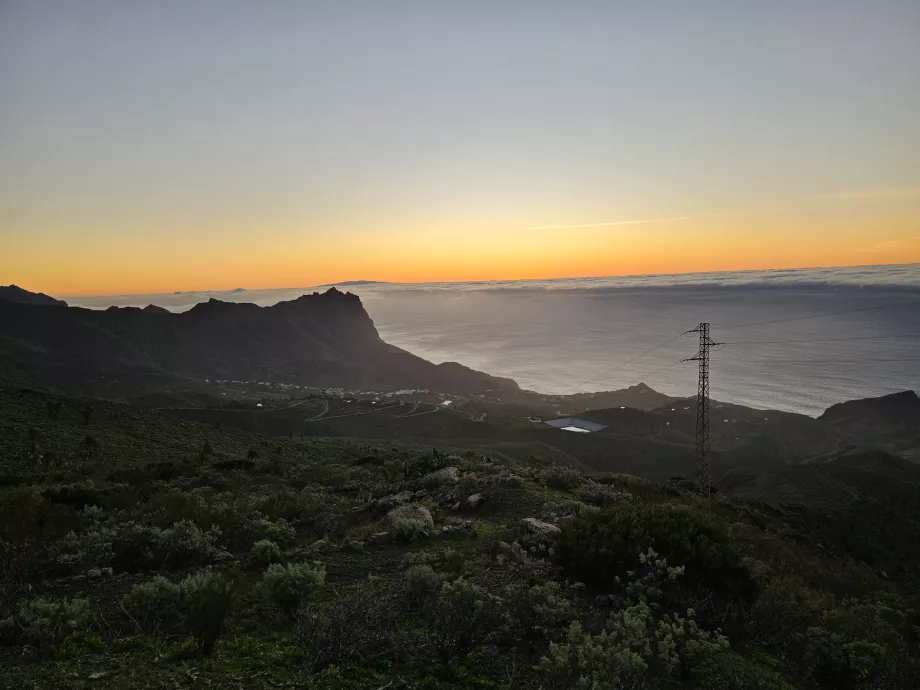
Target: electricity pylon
point(702, 410)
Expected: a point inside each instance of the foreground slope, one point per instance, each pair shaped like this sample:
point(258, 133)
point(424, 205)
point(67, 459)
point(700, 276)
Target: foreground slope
point(119, 525)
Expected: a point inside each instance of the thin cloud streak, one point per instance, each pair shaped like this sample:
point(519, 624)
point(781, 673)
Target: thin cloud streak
point(609, 224)
point(902, 193)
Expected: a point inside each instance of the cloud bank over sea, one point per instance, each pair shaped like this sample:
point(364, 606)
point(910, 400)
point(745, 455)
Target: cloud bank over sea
point(901, 277)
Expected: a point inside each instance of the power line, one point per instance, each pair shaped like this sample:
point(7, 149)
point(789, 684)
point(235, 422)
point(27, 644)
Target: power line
point(818, 316)
point(779, 360)
point(822, 340)
point(628, 361)
point(649, 374)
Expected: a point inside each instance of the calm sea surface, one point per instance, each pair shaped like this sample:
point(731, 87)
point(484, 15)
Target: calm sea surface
point(572, 335)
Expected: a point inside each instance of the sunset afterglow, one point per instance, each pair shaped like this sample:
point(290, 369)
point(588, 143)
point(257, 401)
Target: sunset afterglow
point(223, 145)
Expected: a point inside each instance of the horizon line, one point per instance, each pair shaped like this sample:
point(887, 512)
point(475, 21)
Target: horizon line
point(240, 290)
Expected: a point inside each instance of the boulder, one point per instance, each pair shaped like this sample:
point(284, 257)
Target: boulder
point(394, 500)
point(535, 526)
point(320, 545)
point(474, 501)
point(448, 474)
point(419, 513)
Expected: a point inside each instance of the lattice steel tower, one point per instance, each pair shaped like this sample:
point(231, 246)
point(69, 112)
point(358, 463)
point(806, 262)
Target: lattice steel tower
point(702, 410)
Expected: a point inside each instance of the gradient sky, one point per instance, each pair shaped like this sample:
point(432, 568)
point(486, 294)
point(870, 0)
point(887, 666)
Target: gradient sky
point(157, 145)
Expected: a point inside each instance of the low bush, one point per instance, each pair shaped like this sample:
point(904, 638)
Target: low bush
point(534, 614)
point(278, 531)
point(289, 586)
point(730, 671)
point(601, 495)
point(835, 660)
point(425, 464)
point(199, 604)
point(80, 645)
point(266, 551)
point(186, 544)
point(155, 605)
point(460, 619)
point(406, 530)
point(639, 642)
point(352, 626)
point(207, 599)
point(46, 622)
point(598, 547)
point(561, 477)
point(423, 583)
point(447, 560)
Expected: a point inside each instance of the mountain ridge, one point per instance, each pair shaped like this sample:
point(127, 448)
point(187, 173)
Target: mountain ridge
point(14, 293)
point(321, 339)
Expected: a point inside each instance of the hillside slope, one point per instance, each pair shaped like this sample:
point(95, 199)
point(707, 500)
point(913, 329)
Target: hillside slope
point(118, 524)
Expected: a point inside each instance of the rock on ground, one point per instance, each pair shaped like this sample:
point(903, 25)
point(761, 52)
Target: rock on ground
point(448, 474)
point(395, 499)
point(419, 513)
point(539, 527)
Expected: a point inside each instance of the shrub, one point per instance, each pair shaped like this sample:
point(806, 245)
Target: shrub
point(406, 530)
point(447, 560)
point(133, 546)
point(45, 622)
point(288, 586)
point(596, 547)
point(595, 662)
point(635, 644)
point(461, 618)
point(266, 551)
point(207, 599)
point(728, 671)
point(156, 605)
point(834, 660)
point(425, 464)
point(601, 495)
point(81, 644)
point(78, 551)
point(535, 613)
point(279, 531)
point(423, 583)
point(561, 477)
point(185, 544)
point(354, 625)
point(638, 642)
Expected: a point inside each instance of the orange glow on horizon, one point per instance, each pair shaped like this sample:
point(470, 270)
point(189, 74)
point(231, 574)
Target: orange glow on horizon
point(235, 256)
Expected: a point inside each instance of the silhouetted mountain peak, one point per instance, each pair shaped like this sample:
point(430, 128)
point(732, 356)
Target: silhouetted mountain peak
point(323, 339)
point(14, 293)
point(894, 406)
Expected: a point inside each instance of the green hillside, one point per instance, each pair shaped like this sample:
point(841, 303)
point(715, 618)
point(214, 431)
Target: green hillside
point(142, 550)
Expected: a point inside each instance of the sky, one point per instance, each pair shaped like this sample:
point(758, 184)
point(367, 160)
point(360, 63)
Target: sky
point(189, 145)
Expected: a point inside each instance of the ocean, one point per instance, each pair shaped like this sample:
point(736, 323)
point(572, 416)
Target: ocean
point(588, 334)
